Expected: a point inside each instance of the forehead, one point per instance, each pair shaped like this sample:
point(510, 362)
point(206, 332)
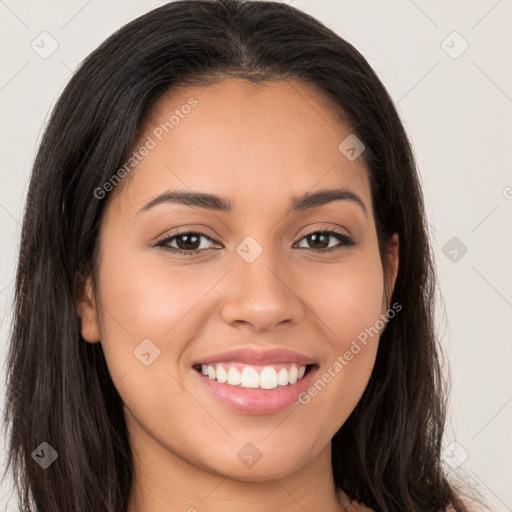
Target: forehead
point(255, 143)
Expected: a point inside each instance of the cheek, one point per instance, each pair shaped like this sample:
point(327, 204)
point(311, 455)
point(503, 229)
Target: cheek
point(346, 297)
point(348, 301)
point(142, 301)
point(154, 309)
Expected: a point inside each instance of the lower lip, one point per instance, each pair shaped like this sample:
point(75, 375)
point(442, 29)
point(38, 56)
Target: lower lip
point(257, 401)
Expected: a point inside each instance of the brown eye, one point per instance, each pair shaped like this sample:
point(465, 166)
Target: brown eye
point(187, 242)
point(320, 240)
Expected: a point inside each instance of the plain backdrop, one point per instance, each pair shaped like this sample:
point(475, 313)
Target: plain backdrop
point(447, 67)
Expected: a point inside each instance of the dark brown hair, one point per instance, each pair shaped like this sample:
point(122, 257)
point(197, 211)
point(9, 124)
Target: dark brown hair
point(387, 455)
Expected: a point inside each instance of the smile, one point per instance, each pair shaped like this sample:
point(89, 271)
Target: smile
point(251, 376)
point(252, 380)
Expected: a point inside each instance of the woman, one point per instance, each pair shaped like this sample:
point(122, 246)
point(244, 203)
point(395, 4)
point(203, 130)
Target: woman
point(224, 295)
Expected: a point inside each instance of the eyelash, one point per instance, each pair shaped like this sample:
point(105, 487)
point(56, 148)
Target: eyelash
point(345, 240)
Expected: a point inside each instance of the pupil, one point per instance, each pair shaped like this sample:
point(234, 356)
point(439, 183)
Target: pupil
point(188, 242)
point(315, 237)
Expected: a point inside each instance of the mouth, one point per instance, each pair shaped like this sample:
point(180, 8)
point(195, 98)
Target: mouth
point(254, 381)
point(246, 376)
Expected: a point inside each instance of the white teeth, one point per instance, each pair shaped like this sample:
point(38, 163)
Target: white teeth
point(268, 378)
point(282, 377)
point(234, 376)
point(293, 374)
point(250, 378)
point(222, 375)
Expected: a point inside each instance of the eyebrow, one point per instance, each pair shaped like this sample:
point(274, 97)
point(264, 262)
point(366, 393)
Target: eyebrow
point(223, 204)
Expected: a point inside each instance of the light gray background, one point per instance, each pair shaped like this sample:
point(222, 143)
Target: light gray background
point(458, 114)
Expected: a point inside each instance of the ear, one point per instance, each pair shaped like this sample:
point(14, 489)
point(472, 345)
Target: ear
point(88, 313)
point(391, 265)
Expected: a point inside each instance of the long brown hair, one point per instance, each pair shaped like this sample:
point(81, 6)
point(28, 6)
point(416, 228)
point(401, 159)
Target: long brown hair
point(388, 453)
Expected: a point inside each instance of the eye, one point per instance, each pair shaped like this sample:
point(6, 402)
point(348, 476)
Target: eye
point(188, 242)
point(320, 240)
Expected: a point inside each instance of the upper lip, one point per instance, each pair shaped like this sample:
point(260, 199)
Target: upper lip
point(254, 356)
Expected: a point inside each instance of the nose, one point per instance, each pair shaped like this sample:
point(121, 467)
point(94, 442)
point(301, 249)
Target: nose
point(261, 295)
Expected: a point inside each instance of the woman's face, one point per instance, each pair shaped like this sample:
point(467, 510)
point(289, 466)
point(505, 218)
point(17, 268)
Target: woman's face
point(274, 323)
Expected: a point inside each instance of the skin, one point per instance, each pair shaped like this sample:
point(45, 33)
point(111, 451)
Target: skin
point(259, 145)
